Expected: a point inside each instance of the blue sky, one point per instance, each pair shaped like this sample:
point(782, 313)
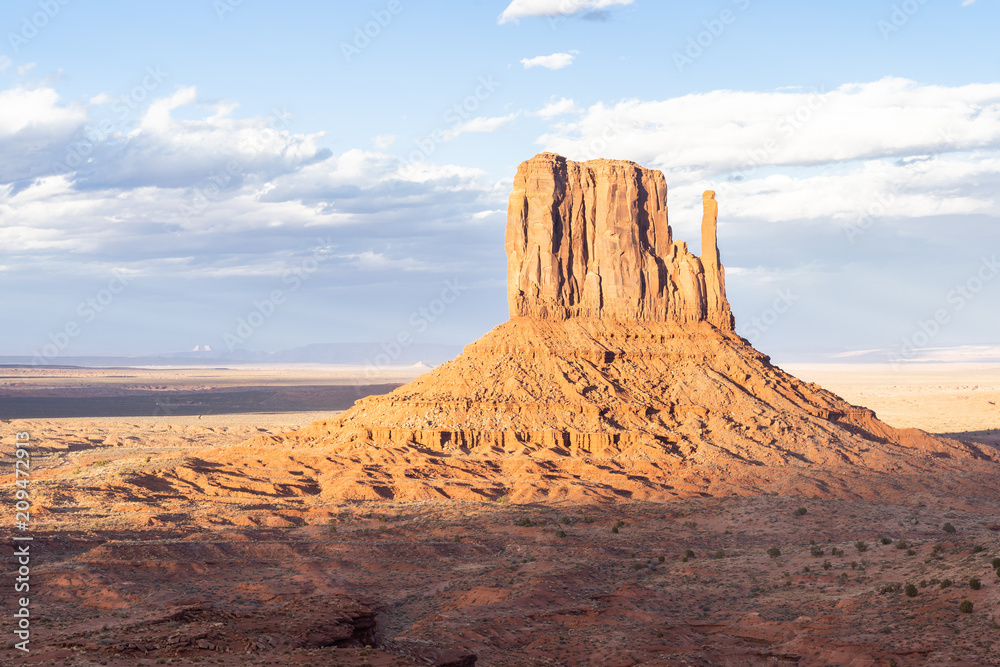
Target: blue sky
point(170, 168)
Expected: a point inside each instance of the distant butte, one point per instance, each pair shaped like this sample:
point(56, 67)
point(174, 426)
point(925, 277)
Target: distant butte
point(618, 376)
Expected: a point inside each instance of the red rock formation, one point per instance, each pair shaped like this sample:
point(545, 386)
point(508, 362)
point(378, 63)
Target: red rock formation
point(591, 239)
point(618, 374)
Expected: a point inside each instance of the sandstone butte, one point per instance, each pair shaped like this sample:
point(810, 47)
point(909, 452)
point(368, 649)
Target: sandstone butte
point(618, 376)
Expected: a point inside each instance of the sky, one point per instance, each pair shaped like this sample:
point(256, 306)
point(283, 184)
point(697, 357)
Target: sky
point(241, 174)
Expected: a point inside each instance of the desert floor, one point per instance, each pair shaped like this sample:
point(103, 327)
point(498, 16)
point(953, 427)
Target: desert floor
point(296, 582)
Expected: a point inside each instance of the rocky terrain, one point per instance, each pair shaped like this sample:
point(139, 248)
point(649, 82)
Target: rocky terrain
point(612, 477)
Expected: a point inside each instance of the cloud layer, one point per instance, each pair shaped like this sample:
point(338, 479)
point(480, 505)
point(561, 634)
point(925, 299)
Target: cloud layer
point(519, 9)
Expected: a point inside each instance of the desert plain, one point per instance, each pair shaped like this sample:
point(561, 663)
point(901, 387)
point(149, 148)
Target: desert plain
point(124, 572)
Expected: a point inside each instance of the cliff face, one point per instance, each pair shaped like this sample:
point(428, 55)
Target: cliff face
point(592, 240)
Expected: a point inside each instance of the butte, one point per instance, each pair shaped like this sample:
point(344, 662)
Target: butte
point(618, 376)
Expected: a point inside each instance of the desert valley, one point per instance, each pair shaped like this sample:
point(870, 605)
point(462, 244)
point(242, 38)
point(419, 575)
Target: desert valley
point(613, 477)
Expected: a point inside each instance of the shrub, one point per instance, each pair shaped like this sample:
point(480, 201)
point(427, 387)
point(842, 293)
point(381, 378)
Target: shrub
point(901, 544)
point(720, 554)
point(910, 590)
point(526, 522)
point(637, 566)
point(662, 558)
point(977, 549)
point(854, 564)
point(965, 607)
point(689, 553)
point(560, 533)
point(565, 520)
point(827, 565)
point(861, 546)
point(774, 552)
point(885, 540)
point(948, 528)
point(911, 552)
point(975, 584)
point(946, 583)
point(800, 511)
point(614, 529)
point(996, 563)
point(842, 578)
point(684, 560)
point(836, 552)
point(890, 587)
point(816, 551)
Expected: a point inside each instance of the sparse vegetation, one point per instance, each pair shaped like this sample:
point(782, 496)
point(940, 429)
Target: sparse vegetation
point(836, 552)
point(720, 554)
point(946, 583)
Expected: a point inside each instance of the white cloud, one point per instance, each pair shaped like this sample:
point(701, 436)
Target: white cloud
point(558, 108)
point(535, 8)
point(966, 3)
point(25, 68)
point(554, 61)
point(5, 62)
point(479, 124)
point(384, 141)
point(724, 131)
point(804, 155)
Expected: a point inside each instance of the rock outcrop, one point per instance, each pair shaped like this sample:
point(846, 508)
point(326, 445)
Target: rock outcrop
point(592, 240)
point(618, 375)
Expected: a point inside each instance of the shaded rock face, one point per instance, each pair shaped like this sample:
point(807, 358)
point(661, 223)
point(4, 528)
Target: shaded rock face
point(592, 240)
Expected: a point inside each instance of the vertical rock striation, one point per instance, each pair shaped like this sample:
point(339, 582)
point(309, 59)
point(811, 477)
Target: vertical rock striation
point(592, 240)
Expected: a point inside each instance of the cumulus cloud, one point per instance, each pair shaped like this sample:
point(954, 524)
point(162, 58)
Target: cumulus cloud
point(479, 124)
point(558, 108)
point(5, 62)
point(35, 128)
point(554, 61)
point(535, 8)
point(801, 153)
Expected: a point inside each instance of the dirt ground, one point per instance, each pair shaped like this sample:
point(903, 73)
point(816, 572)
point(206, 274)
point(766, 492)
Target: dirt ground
point(290, 580)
